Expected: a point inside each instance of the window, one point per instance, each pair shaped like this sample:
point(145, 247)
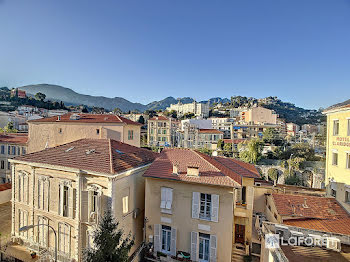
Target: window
point(166, 239)
point(43, 193)
point(335, 127)
point(9, 150)
point(244, 194)
point(8, 165)
point(125, 204)
point(349, 127)
point(18, 150)
point(205, 206)
point(166, 198)
point(43, 231)
point(97, 131)
point(64, 238)
point(130, 134)
point(94, 202)
point(347, 196)
point(204, 241)
point(335, 158)
point(60, 130)
point(2, 164)
point(23, 221)
point(23, 150)
point(2, 149)
point(66, 199)
point(348, 160)
point(13, 150)
point(333, 192)
point(23, 187)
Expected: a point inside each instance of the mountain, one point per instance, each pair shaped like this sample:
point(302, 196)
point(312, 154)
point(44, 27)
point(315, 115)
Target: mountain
point(166, 102)
point(68, 96)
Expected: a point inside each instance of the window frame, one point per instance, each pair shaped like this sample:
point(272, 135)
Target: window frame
point(207, 206)
point(166, 242)
point(336, 124)
point(335, 159)
point(130, 134)
point(204, 239)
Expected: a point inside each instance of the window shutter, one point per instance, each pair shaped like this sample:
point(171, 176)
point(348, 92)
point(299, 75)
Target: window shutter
point(250, 197)
point(213, 244)
point(98, 210)
point(74, 203)
point(194, 246)
point(156, 238)
point(169, 201)
point(215, 208)
point(84, 206)
point(70, 202)
point(195, 204)
point(40, 192)
point(26, 190)
point(163, 197)
point(173, 242)
point(239, 195)
point(60, 208)
point(47, 197)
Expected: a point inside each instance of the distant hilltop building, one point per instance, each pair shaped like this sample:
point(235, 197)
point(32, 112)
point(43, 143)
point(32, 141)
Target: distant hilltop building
point(259, 115)
point(198, 109)
point(18, 93)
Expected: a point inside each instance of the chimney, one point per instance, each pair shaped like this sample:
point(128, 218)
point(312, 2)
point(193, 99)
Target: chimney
point(58, 118)
point(192, 171)
point(305, 204)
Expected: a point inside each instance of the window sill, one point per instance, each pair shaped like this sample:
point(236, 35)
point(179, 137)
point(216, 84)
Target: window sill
point(166, 211)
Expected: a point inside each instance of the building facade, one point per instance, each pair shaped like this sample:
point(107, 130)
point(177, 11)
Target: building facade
point(248, 131)
point(11, 145)
point(71, 196)
point(338, 153)
point(162, 131)
point(198, 109)
point(58, 130)
point(259, 115)
point(201, 206)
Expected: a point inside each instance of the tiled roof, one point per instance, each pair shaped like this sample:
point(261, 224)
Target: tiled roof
point(88, 118)
point(97, 155)
point(210, 131)
point(340, 226)
point(316, 207)
point(240, 167)
point(14, 138)
point(345, 104)
point(5, 186)
point(159, 118)
point(212, 170)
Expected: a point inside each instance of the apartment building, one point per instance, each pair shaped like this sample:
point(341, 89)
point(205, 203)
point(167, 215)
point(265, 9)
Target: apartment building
point(259, 115)
point(162, 131)
point(292, 129)
point(199, 205)
point(198, 109)
point(11, 145)
point(69, 187)
point(248, 131)
point(58, 130)
point(194, 137)
point(338, 153)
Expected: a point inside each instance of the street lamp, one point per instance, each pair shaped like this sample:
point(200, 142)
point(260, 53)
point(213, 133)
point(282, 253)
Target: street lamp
point(26, 228)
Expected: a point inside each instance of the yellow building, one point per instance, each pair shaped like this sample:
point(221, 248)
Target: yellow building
point(199, 205)
point(69, 187)
point(338, 153)
point(58, 130)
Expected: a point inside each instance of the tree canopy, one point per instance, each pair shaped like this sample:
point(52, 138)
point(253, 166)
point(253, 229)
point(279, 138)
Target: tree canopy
point(251, 152)
point(109, 242)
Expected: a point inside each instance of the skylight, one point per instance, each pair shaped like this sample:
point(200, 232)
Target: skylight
point(69, 149)
point(119, 152)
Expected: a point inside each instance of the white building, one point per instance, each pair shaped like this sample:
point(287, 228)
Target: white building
point(198, 109)
point(197, 122)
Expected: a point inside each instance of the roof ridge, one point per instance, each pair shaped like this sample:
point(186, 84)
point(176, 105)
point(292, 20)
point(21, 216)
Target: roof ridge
point(110, 156)
point(237, 161)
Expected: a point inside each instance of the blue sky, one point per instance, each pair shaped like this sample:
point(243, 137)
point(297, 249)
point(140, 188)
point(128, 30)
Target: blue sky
point(298, 50)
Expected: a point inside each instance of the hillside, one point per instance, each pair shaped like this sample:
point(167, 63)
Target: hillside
point(286, 110)
point(68, 96)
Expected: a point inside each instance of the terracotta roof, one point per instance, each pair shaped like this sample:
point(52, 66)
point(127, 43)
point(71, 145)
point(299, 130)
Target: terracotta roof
point(340, 226)
point(88, 118)
point(210, 131)
point(14, 138)
point(159, 118)
point(98, 155)
point(240, 167)
point(212, 170)
point(316, 207)
point(345, 104)
point(5, 186)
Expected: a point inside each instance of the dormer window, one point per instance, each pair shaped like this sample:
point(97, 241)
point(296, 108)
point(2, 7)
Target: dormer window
point(192, 171)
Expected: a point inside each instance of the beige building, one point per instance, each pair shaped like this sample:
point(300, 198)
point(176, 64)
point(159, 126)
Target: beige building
point(259, 115)
point(338, 153)
point(248, 131)
point(193, 137)
point(11, 145)
point(69, 187)
point(58, 130)
point(161, 131)
point(199, 205)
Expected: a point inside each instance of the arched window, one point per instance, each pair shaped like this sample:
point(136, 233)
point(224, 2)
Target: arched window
point(43, 231)
point(64, 236)
point(67, 199)
point(22, 186)
point(43, 192)
point(94, 200)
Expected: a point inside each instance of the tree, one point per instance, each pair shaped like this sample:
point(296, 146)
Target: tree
point(117, 111)
point(9, 128)
point(109, 243)
point(141, 120)
point(293, 179)
point(273, 174)
point(251, 152)
point(269, 135)
point(220, 144)
point(40, 96)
